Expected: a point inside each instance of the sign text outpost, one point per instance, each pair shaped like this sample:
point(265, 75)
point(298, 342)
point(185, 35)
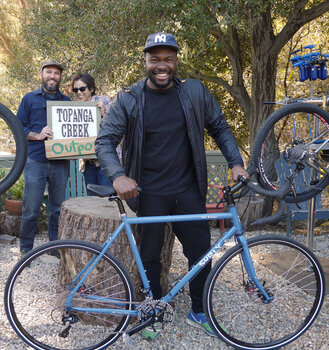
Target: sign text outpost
point(68, 148)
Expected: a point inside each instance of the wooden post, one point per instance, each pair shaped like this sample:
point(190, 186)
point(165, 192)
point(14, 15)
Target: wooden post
point(93, 219)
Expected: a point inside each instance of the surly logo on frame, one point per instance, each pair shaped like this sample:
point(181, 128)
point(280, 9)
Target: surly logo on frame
point(160, 38)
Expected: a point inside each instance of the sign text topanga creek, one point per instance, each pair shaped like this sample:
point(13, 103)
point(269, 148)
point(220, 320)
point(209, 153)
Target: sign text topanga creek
point(75, 126)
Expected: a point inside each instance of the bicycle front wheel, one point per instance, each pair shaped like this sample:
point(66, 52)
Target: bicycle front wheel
point(287, 140)
point(37, 291)
point(13, 148)
point(235, 308)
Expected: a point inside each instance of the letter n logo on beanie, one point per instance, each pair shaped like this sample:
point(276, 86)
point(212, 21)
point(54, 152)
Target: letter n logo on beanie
point(160, 38)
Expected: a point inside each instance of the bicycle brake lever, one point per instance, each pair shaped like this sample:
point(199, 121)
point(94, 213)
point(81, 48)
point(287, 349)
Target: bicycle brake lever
point(220, 202)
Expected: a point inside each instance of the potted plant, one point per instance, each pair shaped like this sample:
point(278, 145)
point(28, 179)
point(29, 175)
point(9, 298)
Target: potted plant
point(14, 203)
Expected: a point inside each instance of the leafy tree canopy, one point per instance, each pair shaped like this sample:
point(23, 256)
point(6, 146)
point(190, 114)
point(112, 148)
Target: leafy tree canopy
point(232, 45)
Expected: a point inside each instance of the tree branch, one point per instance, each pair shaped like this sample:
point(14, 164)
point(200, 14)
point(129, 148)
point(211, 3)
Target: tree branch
point(6, 47)
point(230, 44)
point(211, 78)
point(237, 92)
point(298, 19)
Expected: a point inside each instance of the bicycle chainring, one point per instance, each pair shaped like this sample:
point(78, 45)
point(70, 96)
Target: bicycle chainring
point(163, 311)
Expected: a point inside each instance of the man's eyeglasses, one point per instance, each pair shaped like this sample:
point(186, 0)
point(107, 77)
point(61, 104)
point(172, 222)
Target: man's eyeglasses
point(82, 89)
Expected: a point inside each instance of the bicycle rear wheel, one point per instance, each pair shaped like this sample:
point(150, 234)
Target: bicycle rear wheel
point(234, 306)
point(35, 300)
point(13, 148)
point(287, 141)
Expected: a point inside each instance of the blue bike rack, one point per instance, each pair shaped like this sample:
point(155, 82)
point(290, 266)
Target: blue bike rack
point(312, 65)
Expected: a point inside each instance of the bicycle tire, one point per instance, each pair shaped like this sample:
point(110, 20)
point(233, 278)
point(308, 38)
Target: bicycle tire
point(12, 122)
point(35, 305)
point(235, 309)
point(300, 118)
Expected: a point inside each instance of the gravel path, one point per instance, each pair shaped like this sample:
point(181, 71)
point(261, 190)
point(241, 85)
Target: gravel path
point(180, 335)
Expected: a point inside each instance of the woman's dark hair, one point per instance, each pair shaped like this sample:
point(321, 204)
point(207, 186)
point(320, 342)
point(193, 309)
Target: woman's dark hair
point(87, 79)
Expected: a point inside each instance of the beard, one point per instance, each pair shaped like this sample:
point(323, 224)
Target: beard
point(150, 75)
point(50, 88)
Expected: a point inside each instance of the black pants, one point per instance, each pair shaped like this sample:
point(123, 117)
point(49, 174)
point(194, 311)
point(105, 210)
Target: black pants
point(194, 237)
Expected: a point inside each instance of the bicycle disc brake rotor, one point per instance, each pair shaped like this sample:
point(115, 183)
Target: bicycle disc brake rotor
point(163, 311)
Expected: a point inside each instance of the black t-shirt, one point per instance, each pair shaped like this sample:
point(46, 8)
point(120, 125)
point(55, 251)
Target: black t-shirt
point(167, 155)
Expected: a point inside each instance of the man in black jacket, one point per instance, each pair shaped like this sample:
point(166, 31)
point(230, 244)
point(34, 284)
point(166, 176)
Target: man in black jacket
point(161, 121)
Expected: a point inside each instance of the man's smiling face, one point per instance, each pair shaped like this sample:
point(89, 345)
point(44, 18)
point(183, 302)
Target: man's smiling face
point(51, 78)
point(161, 67)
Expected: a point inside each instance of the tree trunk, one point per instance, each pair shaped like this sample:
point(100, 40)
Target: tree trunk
point(93, 219)
point(264, 68)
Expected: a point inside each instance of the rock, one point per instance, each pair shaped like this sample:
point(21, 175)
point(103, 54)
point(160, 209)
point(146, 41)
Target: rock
point(7, 239)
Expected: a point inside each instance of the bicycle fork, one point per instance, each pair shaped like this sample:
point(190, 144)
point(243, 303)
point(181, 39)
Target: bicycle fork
point(249, 266)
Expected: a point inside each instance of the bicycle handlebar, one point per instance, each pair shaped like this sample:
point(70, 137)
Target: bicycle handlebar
point(279, 195)
point(104, 191)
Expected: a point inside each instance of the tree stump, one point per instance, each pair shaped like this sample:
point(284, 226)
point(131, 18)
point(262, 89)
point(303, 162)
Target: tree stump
point(93, 219)
point(250, 208)
point(10, 224)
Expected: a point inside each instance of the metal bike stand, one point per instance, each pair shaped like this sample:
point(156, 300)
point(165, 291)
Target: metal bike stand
point(310, 223)
point(311, 202)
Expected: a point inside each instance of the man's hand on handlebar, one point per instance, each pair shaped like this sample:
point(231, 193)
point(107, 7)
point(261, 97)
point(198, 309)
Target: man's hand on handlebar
point(125, 187)
point(237, 171)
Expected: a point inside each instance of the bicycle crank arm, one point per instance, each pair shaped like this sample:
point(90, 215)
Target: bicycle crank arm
point(139, 327)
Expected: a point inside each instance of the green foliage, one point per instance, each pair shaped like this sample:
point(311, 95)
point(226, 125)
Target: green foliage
point(16, 191)
point(220, 43)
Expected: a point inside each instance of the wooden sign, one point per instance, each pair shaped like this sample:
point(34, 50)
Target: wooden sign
point(75, 126)
point(71, 148)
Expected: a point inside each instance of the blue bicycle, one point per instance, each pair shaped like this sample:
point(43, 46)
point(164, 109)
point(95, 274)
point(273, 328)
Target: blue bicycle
point(261, 294)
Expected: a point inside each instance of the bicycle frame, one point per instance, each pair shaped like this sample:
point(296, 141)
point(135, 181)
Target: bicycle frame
point(236, 230)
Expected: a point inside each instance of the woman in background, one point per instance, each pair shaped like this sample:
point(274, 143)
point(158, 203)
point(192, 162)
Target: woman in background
point(83, 85)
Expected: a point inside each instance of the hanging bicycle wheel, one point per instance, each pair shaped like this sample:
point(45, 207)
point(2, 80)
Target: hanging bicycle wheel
point(294, 141)
point(13, 148)
point(35, 301)
point(236, 309)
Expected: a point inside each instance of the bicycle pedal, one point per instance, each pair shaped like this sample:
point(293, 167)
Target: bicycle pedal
point(128, 341)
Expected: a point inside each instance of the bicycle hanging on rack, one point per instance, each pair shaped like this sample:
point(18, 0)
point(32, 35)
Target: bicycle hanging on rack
point(261, 294)
point(14, 141)
point(300, 130)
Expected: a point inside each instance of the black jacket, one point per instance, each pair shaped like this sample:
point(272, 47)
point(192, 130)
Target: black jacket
point(124, 120)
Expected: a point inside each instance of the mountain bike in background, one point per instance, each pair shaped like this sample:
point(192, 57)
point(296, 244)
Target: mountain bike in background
point(296, 137)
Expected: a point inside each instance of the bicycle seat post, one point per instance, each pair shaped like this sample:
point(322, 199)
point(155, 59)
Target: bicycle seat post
point(119, 203)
